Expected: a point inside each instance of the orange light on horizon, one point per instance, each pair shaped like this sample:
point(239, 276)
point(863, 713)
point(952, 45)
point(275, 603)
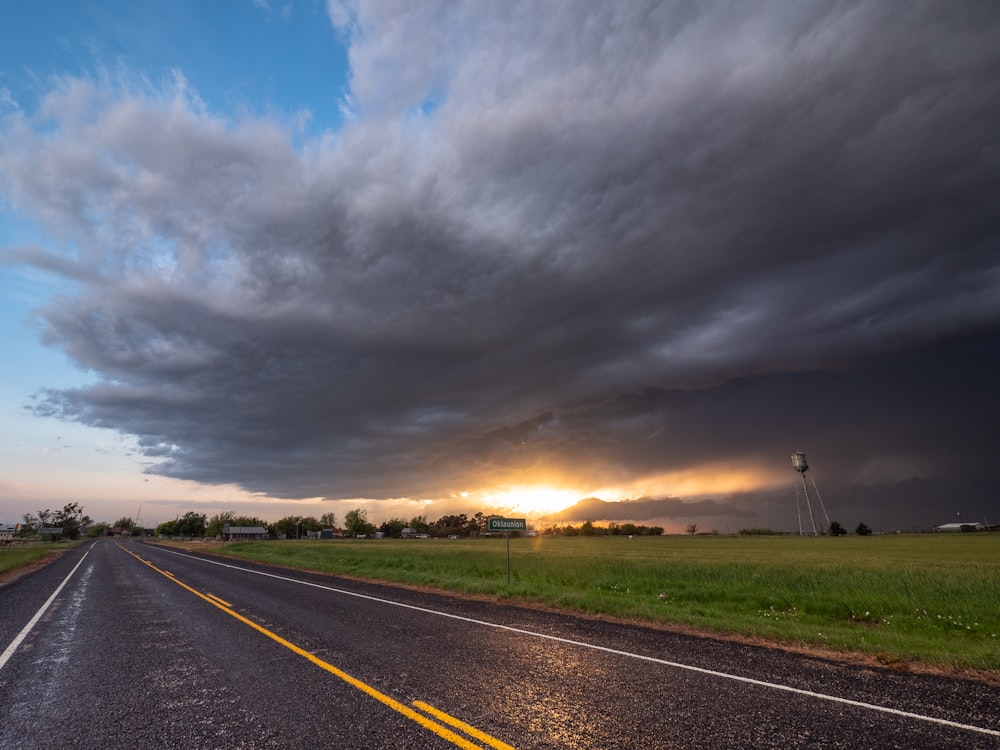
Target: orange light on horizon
point(546, 496)
point(697, 481)
point(531, 500)
point(542, 498)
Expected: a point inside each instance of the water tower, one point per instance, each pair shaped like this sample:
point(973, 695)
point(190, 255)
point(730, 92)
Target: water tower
point(802, 493)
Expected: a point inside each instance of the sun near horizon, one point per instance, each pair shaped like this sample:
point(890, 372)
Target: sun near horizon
point(536, 499)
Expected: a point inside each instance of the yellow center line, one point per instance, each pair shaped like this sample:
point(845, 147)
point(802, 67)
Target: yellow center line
point(441, 731)
point(221, 601)
point(461, 725)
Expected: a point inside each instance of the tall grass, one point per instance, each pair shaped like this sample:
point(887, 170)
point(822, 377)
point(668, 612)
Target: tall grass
point(933, 599)
point(16, 556)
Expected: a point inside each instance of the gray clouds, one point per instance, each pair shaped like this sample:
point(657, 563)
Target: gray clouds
point(538, 213)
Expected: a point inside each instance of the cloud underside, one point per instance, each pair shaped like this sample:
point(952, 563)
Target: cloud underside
point(603, 242)
point(644, 510)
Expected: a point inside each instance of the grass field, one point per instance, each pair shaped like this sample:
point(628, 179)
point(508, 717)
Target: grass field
point(902, 599)
point(15, 556)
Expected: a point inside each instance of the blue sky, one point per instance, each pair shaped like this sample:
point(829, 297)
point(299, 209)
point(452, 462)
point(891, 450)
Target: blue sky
point(240, 56)
point(286, 62)
point(436, 257)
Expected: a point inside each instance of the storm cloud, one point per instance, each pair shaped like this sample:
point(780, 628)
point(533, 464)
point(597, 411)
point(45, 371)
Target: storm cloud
point(608, 241)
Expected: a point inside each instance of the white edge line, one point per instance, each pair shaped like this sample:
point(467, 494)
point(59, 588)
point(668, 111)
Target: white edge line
point(9, 651)
point(582, 644)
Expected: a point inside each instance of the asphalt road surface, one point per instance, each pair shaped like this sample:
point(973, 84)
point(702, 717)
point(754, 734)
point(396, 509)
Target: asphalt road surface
point(148, 647)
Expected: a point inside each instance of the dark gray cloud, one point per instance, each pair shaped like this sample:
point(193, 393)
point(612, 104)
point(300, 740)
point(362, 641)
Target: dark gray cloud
point(900, 442)
point(617, 241)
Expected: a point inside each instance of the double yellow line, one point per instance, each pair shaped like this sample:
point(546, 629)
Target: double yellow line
point(420, 718)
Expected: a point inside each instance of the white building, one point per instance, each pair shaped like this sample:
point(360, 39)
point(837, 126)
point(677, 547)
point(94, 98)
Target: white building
point(958, 527)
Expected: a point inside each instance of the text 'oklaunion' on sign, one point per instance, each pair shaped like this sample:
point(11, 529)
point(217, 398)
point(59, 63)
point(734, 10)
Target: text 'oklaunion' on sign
point(506, 524)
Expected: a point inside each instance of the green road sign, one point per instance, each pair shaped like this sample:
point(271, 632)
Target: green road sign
point(496, 523)
point(506, 524)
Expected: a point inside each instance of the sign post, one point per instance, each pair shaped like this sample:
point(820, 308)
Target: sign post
point(506, 525)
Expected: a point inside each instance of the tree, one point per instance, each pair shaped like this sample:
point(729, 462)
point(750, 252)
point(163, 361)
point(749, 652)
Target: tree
point(287, 527)
point(227, 518)
point(477, 524)
point(356, 523)
point(70, 519)
point(218, 521)
point(691, 528)
point(328, 520)
point(29, 525)
point(294, 527)
point(419, 525)
point(863, 530)
point(836, 529)
point(247, 521)
point(311, 523)
point(393, 527)
point(451, 525)
point(125, 523)
point(33, 524)
point(191, 524)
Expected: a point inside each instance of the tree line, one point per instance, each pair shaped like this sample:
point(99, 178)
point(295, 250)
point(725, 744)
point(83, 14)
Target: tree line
point(355, 524)
point(73, 522)
point(587, 528)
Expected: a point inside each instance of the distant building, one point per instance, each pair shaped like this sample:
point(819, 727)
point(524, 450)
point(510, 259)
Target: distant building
point(243, 533)
point(961, 527)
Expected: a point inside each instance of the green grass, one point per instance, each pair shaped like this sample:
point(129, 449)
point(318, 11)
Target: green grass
point(15, 556)
point(927, 599)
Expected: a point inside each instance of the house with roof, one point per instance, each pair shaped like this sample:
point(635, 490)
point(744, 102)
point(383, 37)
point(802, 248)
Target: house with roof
point(243, 533)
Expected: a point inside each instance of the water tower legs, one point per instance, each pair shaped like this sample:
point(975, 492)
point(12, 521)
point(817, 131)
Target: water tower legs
point(815, 510)
point(800, 465)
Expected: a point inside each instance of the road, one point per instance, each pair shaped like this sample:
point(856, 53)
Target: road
point(148, 647)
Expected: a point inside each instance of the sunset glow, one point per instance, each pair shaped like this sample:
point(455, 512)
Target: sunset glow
point(698, 481)
point(543, 498)
point(532, 500)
